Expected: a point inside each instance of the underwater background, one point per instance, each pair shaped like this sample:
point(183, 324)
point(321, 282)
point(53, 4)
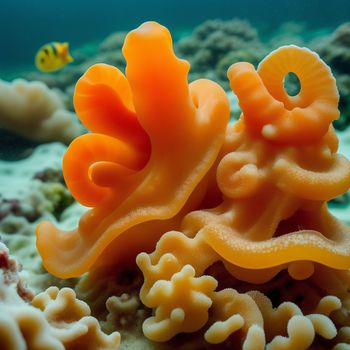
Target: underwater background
point(26, 25)
point(38, 122)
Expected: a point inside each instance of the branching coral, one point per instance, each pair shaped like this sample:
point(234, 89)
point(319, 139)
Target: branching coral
point(32, 110)
point(55, 319)
point(71, 321)
point(62, 323)
point(139, 165)
point(215, 44)
point(10, 277)
point(124, 311)
point(97, 286)
point(251, 314)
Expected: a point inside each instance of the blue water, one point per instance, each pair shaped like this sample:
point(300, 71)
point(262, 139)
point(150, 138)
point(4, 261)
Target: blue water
point(26, 25)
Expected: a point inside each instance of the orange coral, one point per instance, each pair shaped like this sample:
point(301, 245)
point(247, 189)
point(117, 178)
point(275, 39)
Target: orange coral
point(162, 166)
point(296, 119)
point(274, 209)
point(158, 154)
point(154, 139)
point(275, 173)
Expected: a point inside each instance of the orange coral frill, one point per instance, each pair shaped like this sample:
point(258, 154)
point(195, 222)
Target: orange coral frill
point(154, 138)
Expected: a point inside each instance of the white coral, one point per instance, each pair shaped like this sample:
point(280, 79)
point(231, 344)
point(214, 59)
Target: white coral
point(56, 320)
point(35, 112)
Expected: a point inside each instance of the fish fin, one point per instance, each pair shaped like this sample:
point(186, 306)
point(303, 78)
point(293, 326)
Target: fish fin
point(65, 52)
point(69, 58)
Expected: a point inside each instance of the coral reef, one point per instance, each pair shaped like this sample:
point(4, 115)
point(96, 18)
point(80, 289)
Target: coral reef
point(35, 112)
point(215, 44)
point(110, 50)
point(23, 174)
point(52, 320)
point(288, 33)
point(19, 235)
point(37, 191)
point(50, 197)
point(335, 50)
point(112, 295)
point(246, 254)
point(10, 275)
point(340, 206)
point(33, 192)
point(212, 47)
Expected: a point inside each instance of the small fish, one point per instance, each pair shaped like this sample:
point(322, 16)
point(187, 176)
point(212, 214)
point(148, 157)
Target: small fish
point(52, 57)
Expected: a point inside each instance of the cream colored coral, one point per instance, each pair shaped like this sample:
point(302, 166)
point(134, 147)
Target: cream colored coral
point(71, 321)
point(343, 339)
point(301, 334)
point(175, 288)
point(232, 311)
point(35, 112)
point(255, 339)
point(181, 304)
point(56, 320)
point(327, 305)
point(96, 287)
point(124, 310)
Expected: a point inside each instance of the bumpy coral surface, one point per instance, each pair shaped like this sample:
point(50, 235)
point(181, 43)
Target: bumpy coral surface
point(52, 320)
point(33, 111)
point(215, 44)
point(163, 171)
point(335, 49)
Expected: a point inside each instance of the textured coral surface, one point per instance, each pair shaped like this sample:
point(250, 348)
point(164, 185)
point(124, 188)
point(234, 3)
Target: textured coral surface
point(246, 254)
point(52, 320)
point(34, 111)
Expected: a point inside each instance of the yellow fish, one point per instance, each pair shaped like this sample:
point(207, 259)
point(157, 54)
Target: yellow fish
point(52, 56)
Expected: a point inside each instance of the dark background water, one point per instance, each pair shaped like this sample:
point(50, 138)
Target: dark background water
point(26, 25)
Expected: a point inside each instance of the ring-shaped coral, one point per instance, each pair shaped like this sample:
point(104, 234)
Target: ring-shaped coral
point(267, 108)
point(275, 186)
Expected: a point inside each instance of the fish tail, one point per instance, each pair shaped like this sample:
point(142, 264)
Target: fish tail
point(65, 52)
point(69, 58)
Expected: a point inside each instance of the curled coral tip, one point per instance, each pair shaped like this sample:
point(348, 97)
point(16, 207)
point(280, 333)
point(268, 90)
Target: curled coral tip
point(301, 334)
point(238, 176)
point(209, 99)
point(93, 160)
point(103, 102)
point(270, 112)
point(171, 173)
point(108, 174)
point(301, 270)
